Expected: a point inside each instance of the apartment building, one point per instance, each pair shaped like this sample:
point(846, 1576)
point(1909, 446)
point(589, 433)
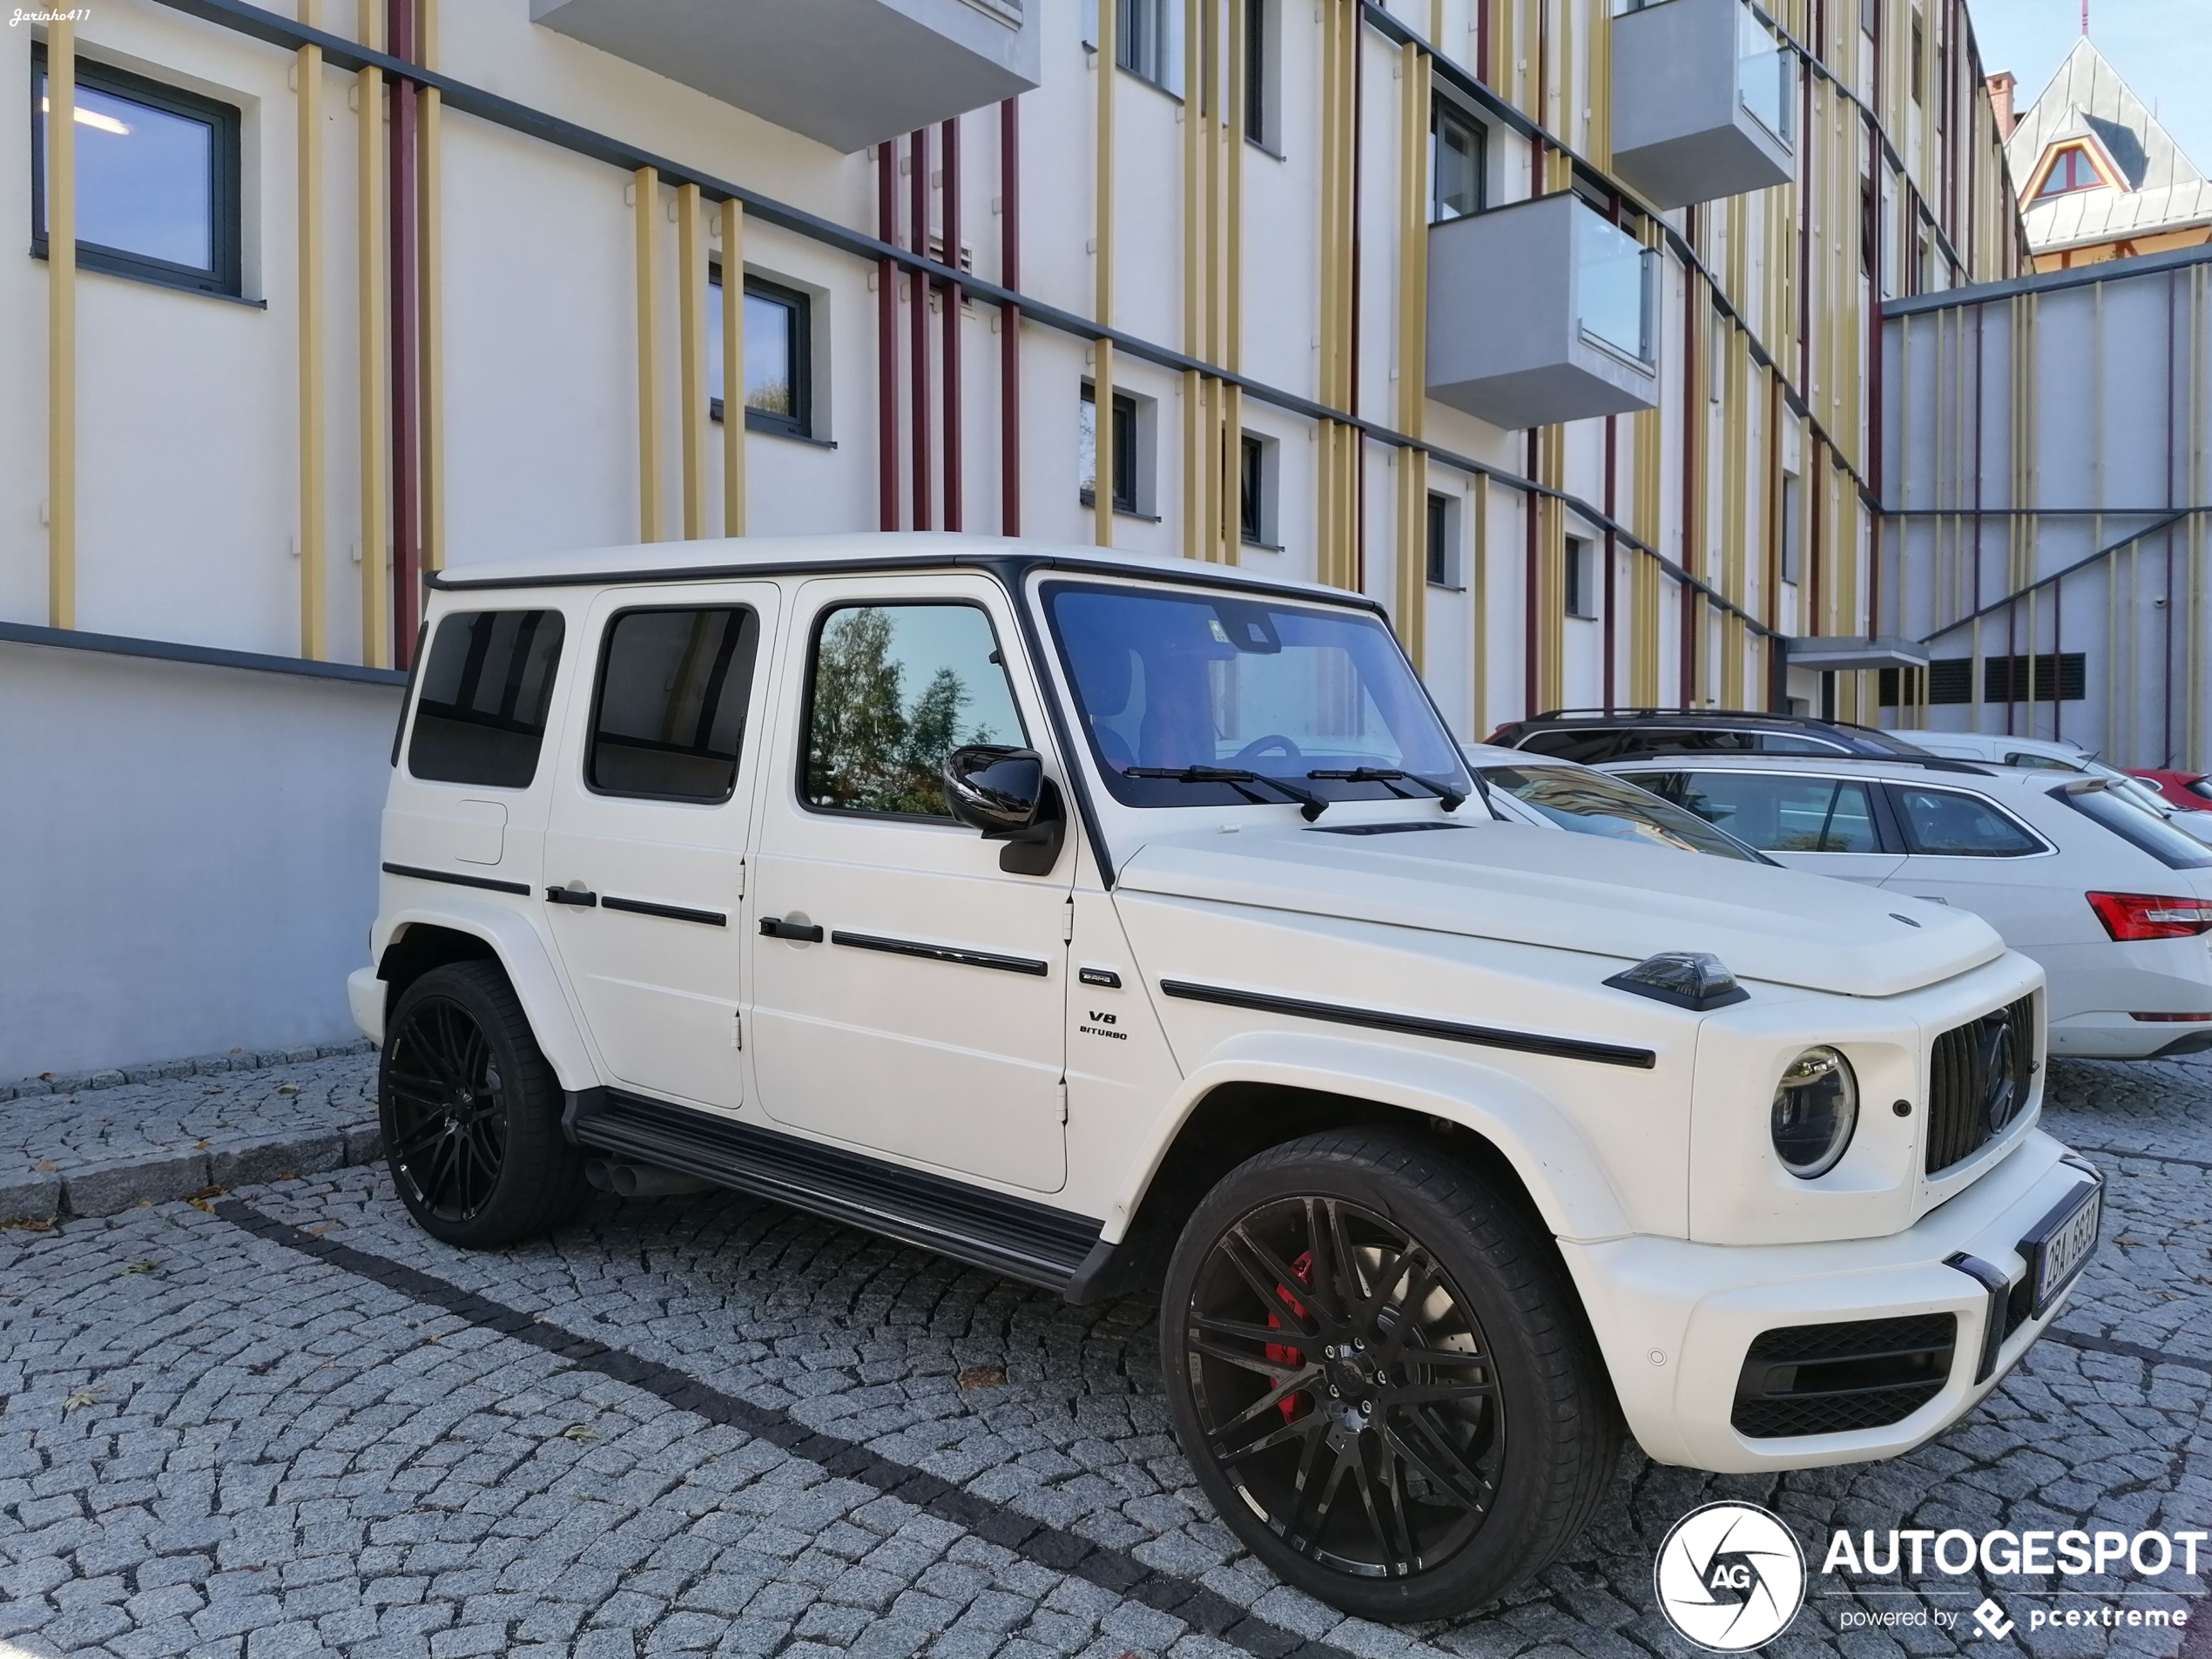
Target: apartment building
point(1552, 324)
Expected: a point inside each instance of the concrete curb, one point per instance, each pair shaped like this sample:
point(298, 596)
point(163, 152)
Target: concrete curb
point(107, 1188)
point(206, 1065)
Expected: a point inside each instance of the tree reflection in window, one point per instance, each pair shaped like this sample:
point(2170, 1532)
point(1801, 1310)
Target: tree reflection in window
point(895, 689)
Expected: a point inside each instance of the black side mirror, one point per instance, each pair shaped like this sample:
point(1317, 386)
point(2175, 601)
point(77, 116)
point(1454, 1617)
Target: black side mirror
point(1003, 792)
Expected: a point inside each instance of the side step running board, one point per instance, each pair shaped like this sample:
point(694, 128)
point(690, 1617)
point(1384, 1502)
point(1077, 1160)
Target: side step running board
point(1031, 1242)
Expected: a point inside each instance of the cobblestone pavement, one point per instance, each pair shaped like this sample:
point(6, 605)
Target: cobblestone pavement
point(287, 1422)
point(96, 1145)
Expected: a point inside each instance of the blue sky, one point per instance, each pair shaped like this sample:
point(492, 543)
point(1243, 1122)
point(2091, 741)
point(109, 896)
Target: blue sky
point(2161, 48)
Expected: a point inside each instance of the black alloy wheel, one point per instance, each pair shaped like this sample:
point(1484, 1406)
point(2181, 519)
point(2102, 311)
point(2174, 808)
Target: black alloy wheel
point(448, 1106)
point(1346, 1387)
point(1382, 1376)
point(471, 1113)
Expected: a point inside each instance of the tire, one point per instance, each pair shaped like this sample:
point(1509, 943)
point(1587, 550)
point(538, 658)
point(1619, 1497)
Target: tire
point(471, 1113)
point(1483, 1459)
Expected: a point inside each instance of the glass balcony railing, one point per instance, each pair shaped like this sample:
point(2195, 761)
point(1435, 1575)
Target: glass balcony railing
point(1612, 285)
point(1765, 83)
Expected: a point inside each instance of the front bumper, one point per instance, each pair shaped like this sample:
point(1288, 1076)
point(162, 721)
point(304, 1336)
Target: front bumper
point(365, 995)
point(1676, 1319)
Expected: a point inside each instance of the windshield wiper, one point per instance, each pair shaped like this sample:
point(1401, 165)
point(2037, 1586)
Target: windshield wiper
point(1391, 777)
point(1310, 806)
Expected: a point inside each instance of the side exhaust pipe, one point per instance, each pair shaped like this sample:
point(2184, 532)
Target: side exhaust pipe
point(641, 1180)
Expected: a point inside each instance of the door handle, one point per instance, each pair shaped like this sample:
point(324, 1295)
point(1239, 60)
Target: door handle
point(570, 895)
point(805, 933)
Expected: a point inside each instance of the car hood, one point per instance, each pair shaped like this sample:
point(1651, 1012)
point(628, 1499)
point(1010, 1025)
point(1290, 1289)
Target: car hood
point(1610, 898)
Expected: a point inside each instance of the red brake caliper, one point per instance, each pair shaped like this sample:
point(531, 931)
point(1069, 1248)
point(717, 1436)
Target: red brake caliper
point(1291, 1405)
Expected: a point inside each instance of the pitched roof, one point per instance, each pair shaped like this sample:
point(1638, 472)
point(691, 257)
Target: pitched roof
point(2161, 188)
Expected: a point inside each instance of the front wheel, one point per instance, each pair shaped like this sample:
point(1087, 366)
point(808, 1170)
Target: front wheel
point(1379, 1371)
point(471, 1113)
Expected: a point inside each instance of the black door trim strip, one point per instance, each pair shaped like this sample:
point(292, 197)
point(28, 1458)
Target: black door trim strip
point(1018, 1238)
point(1415, 1025)
point(484, 882)
point(944, 953)
point(673, 912)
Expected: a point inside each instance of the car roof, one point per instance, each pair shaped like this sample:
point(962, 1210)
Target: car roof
point(858, 551)
point(2039, 778)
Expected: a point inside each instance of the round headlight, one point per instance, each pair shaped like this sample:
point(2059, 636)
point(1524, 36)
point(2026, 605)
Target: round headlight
point(1816, 1108)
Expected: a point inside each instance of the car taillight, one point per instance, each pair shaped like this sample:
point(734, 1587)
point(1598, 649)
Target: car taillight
point(2143, 915)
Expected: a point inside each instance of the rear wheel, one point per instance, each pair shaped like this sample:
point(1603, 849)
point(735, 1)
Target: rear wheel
point(471, 1113)
point(1381, 1377)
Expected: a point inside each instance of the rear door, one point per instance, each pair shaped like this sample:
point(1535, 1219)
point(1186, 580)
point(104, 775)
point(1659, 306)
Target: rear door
point(644, 851)
point(1827, 826)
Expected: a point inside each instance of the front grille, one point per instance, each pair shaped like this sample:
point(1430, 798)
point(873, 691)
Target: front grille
point(1830, 1379)
point(1966, 1074)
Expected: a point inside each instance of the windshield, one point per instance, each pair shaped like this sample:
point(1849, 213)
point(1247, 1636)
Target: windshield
point(1592, 803)
point(1168, 678)
point(2152, 833)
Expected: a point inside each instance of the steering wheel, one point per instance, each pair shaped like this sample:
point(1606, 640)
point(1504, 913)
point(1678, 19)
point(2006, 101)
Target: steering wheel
point(1259, 746)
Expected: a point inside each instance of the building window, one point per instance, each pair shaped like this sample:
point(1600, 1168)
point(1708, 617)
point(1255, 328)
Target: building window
point(1870, 18)
point(1919, 61)
point(674, 688)
point(1255, 465)
point(1125, 436)
point(480, 716)
point(1792, 493)
point(1151, 46)
point(2058, 677)
point(2071, 170)
point(1455, 166)
point(1261, 123)
point(1443, 542)
point(778, 360)
point(156, 180)
point(1579, 584)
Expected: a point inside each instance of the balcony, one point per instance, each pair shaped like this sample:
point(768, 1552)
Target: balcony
point(1704, 102)
point(847, 73)
point(1542, 312)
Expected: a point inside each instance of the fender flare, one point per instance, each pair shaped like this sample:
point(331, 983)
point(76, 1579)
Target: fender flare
point(1540, 1142)
point(526, 957)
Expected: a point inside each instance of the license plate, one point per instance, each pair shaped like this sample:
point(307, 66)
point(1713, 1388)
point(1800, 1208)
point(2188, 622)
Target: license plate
point(2062, 1244)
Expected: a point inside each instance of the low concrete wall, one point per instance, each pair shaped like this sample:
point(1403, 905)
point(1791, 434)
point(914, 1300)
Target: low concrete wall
point(188, 855)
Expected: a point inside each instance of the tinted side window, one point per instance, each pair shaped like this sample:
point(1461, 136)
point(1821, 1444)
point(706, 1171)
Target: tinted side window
point(892, 690)
point(1775, 743)
point(674, 686)
point(1585, 744)
point(1950, 824)
point(1778, 813)
point(479, 718)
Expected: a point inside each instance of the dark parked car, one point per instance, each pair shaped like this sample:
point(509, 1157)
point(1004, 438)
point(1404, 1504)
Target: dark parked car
point(1594, 735)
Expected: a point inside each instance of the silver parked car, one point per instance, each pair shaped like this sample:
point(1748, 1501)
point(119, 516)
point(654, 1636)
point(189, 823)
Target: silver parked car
point(2112, 901)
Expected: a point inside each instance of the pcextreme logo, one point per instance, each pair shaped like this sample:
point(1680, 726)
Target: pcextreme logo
point(1730, 1577)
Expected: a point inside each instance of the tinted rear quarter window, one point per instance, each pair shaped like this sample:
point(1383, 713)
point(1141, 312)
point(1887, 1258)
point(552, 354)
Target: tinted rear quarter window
point(487, 685)
point(669, 719)
point(1948, 823)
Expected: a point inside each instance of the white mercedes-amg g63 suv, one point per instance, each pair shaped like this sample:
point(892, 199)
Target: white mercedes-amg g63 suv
point(1126, 925)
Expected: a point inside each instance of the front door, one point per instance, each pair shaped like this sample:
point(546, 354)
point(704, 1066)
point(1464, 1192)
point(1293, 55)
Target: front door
point(644, 848)
point(908, 992)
